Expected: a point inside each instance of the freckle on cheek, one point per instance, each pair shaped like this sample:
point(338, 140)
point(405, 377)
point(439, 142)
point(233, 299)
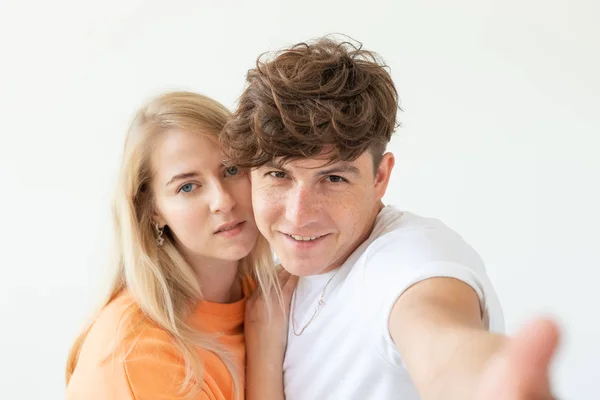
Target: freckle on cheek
point(267, 195)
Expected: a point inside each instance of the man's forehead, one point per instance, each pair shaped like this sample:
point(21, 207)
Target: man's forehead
point(307, 162)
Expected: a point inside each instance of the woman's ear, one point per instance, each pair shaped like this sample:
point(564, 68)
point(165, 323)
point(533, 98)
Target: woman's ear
point(157, 218)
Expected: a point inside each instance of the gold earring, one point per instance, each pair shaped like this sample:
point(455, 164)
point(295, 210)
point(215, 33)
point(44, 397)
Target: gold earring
point(160, 240)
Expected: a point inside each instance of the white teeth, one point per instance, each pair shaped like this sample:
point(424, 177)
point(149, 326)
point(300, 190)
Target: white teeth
point(304, 238)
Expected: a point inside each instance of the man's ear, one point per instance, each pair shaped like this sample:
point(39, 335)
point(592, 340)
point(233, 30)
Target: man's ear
point(383, 174)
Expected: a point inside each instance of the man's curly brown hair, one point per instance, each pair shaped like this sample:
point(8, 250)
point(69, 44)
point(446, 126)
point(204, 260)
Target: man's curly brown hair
point(311, 97)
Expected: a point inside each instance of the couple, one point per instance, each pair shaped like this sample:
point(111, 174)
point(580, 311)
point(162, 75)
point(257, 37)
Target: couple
point(387, 305)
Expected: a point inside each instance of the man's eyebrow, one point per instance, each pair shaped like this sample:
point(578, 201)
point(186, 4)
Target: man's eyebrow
point(342, 168)
point(274, 165)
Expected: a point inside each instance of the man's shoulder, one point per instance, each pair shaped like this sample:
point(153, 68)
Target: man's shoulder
point(393, 223)
point(402, 236)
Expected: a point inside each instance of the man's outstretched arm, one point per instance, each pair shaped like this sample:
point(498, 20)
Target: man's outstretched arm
point(437, 327)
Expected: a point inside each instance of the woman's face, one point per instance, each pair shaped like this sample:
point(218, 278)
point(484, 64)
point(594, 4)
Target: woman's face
point(207, 206)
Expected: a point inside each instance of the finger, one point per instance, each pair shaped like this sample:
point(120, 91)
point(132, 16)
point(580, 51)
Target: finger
point(282, 277)
point(288, 292)
point(289, 286)
point(537, 341)
point(521, 369)
point(530, 353)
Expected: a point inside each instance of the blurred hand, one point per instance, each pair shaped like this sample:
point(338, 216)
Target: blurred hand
point(521, 370)
point(266, 331)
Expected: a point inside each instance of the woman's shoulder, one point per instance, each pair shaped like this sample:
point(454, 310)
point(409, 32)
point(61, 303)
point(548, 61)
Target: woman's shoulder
point(124, 348)
point(123, 323)
point(118, 326)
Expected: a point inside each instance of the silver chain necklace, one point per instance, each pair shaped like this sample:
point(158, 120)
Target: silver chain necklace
point(320, 305)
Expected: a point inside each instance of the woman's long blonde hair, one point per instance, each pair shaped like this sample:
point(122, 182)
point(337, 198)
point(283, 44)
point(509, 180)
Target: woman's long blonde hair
point(158, 278)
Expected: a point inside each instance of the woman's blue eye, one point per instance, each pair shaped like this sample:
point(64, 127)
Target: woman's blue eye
point(188, 187)
point(232, 171)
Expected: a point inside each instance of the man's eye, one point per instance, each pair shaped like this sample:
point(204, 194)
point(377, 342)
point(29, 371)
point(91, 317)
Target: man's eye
point(277, 174)
point(336, 179)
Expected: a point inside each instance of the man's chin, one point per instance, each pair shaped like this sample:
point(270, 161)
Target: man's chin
point(301, 268)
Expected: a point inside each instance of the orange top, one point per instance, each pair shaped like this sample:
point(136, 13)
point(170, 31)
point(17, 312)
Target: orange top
point(148, 365)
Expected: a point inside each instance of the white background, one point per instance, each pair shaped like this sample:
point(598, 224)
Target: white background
point(500, 140)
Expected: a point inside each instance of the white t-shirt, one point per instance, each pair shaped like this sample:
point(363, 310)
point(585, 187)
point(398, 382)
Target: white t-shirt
point(347, 352)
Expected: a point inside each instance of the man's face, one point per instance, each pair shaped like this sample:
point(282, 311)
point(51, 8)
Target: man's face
point(315, 215)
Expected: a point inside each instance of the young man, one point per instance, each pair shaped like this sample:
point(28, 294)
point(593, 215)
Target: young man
point(389, 304)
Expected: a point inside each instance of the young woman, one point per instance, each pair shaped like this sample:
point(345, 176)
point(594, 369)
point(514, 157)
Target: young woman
point(189, 256)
